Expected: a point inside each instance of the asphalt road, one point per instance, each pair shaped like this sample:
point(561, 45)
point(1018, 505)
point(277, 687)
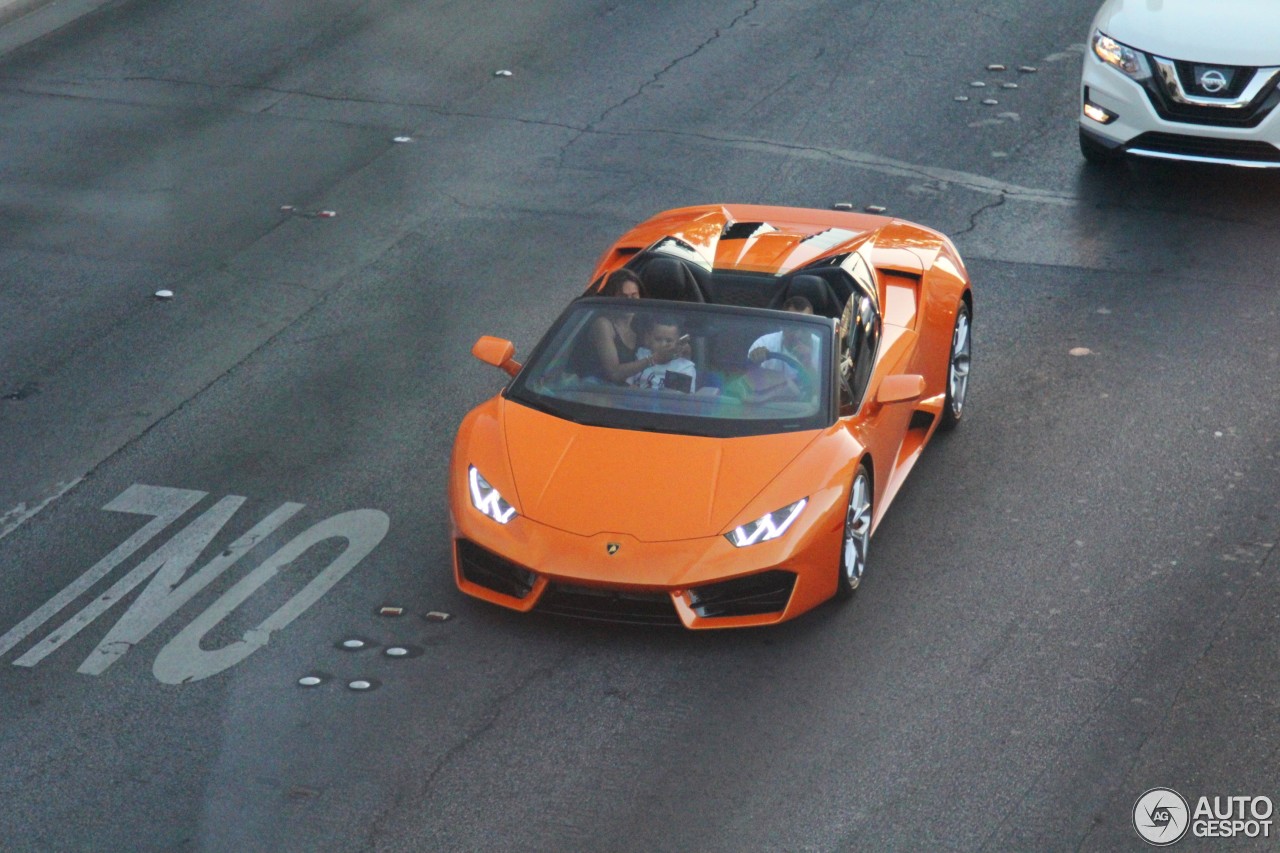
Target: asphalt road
point(1074, 599)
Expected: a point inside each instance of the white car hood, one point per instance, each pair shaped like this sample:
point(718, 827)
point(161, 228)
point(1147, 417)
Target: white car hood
point(1220, 32)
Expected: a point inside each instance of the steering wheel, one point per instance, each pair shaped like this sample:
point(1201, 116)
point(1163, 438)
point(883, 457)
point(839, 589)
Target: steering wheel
point(803, 380)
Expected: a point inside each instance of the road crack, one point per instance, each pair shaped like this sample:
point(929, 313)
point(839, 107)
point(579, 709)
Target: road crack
point(487, 720)
point(973, 217)
point(655, 78)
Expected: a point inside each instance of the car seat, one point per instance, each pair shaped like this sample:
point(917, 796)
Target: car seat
point(815, 289)
point(669, 278)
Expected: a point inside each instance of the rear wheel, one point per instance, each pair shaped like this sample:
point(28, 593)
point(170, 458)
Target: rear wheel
point(958, 369)
point(857, 535)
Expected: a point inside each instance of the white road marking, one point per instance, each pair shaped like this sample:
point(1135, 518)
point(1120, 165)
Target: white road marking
point(876, 163)
point(173, 558)
point(167, 591)
point(13, 519)
point(182, 660)
point(166, 504)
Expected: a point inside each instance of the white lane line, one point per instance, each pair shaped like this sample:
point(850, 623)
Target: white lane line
point(14, 518)
point(874, 163)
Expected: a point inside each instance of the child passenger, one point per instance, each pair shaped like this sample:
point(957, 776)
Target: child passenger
point(666, 367)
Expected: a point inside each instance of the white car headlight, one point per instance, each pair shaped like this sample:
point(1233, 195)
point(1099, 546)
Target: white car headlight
point(768, 526)
point(485, 498)
point(1120, 56)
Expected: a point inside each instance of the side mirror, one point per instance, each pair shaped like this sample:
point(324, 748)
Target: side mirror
point(903, 388)
point(498, 352)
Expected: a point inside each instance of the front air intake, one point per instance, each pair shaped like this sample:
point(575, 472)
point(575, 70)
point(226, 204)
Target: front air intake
point(485, 568)
point(608, 605)
point(766, 592)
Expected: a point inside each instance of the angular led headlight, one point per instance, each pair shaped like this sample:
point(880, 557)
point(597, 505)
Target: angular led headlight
point(766, 527)
point(1120, 56)
point(485, 498)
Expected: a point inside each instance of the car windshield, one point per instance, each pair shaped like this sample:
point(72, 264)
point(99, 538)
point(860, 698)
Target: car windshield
point(683, 368)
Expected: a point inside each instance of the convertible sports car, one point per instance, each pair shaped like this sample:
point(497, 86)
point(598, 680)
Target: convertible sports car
point(736, 476)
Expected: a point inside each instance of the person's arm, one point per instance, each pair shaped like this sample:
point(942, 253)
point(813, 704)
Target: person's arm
point(759, 350)
point(607, 351)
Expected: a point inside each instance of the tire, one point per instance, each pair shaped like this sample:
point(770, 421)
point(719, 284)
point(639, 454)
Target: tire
point(1097, 153)
point(857, 536)
point(959, 360)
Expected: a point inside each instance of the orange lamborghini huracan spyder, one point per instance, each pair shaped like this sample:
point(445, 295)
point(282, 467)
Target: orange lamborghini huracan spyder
point(718, 452)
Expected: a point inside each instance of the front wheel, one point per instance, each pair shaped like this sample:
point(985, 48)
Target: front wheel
point(857, 536)
point(958, 369)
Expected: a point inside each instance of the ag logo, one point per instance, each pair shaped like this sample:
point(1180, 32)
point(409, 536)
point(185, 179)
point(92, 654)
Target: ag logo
point(612, 548)
point(1161, 817)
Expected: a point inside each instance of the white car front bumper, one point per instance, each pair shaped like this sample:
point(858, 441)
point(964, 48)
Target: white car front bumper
point(1191, 128)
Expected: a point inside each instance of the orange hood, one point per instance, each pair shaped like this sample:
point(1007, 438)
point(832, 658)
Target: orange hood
point(654, 486)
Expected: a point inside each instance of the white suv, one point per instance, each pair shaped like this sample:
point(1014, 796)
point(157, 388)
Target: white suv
point(1191, 80)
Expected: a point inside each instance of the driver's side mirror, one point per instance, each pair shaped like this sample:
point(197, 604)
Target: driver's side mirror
point(497, 351)
point(905, 387)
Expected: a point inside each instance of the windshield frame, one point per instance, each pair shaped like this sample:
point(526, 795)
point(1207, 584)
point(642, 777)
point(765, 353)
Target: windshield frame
point(519, 390)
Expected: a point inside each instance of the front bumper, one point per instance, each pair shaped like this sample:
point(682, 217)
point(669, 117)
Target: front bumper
point(698, 583)
point(1136, 127)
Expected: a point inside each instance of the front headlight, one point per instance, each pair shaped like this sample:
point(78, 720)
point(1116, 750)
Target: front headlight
point(766, 527)
point(485, 498)
point(1120, 56)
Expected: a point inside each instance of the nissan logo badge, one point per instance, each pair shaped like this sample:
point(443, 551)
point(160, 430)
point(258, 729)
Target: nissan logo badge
point(1213, 81)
